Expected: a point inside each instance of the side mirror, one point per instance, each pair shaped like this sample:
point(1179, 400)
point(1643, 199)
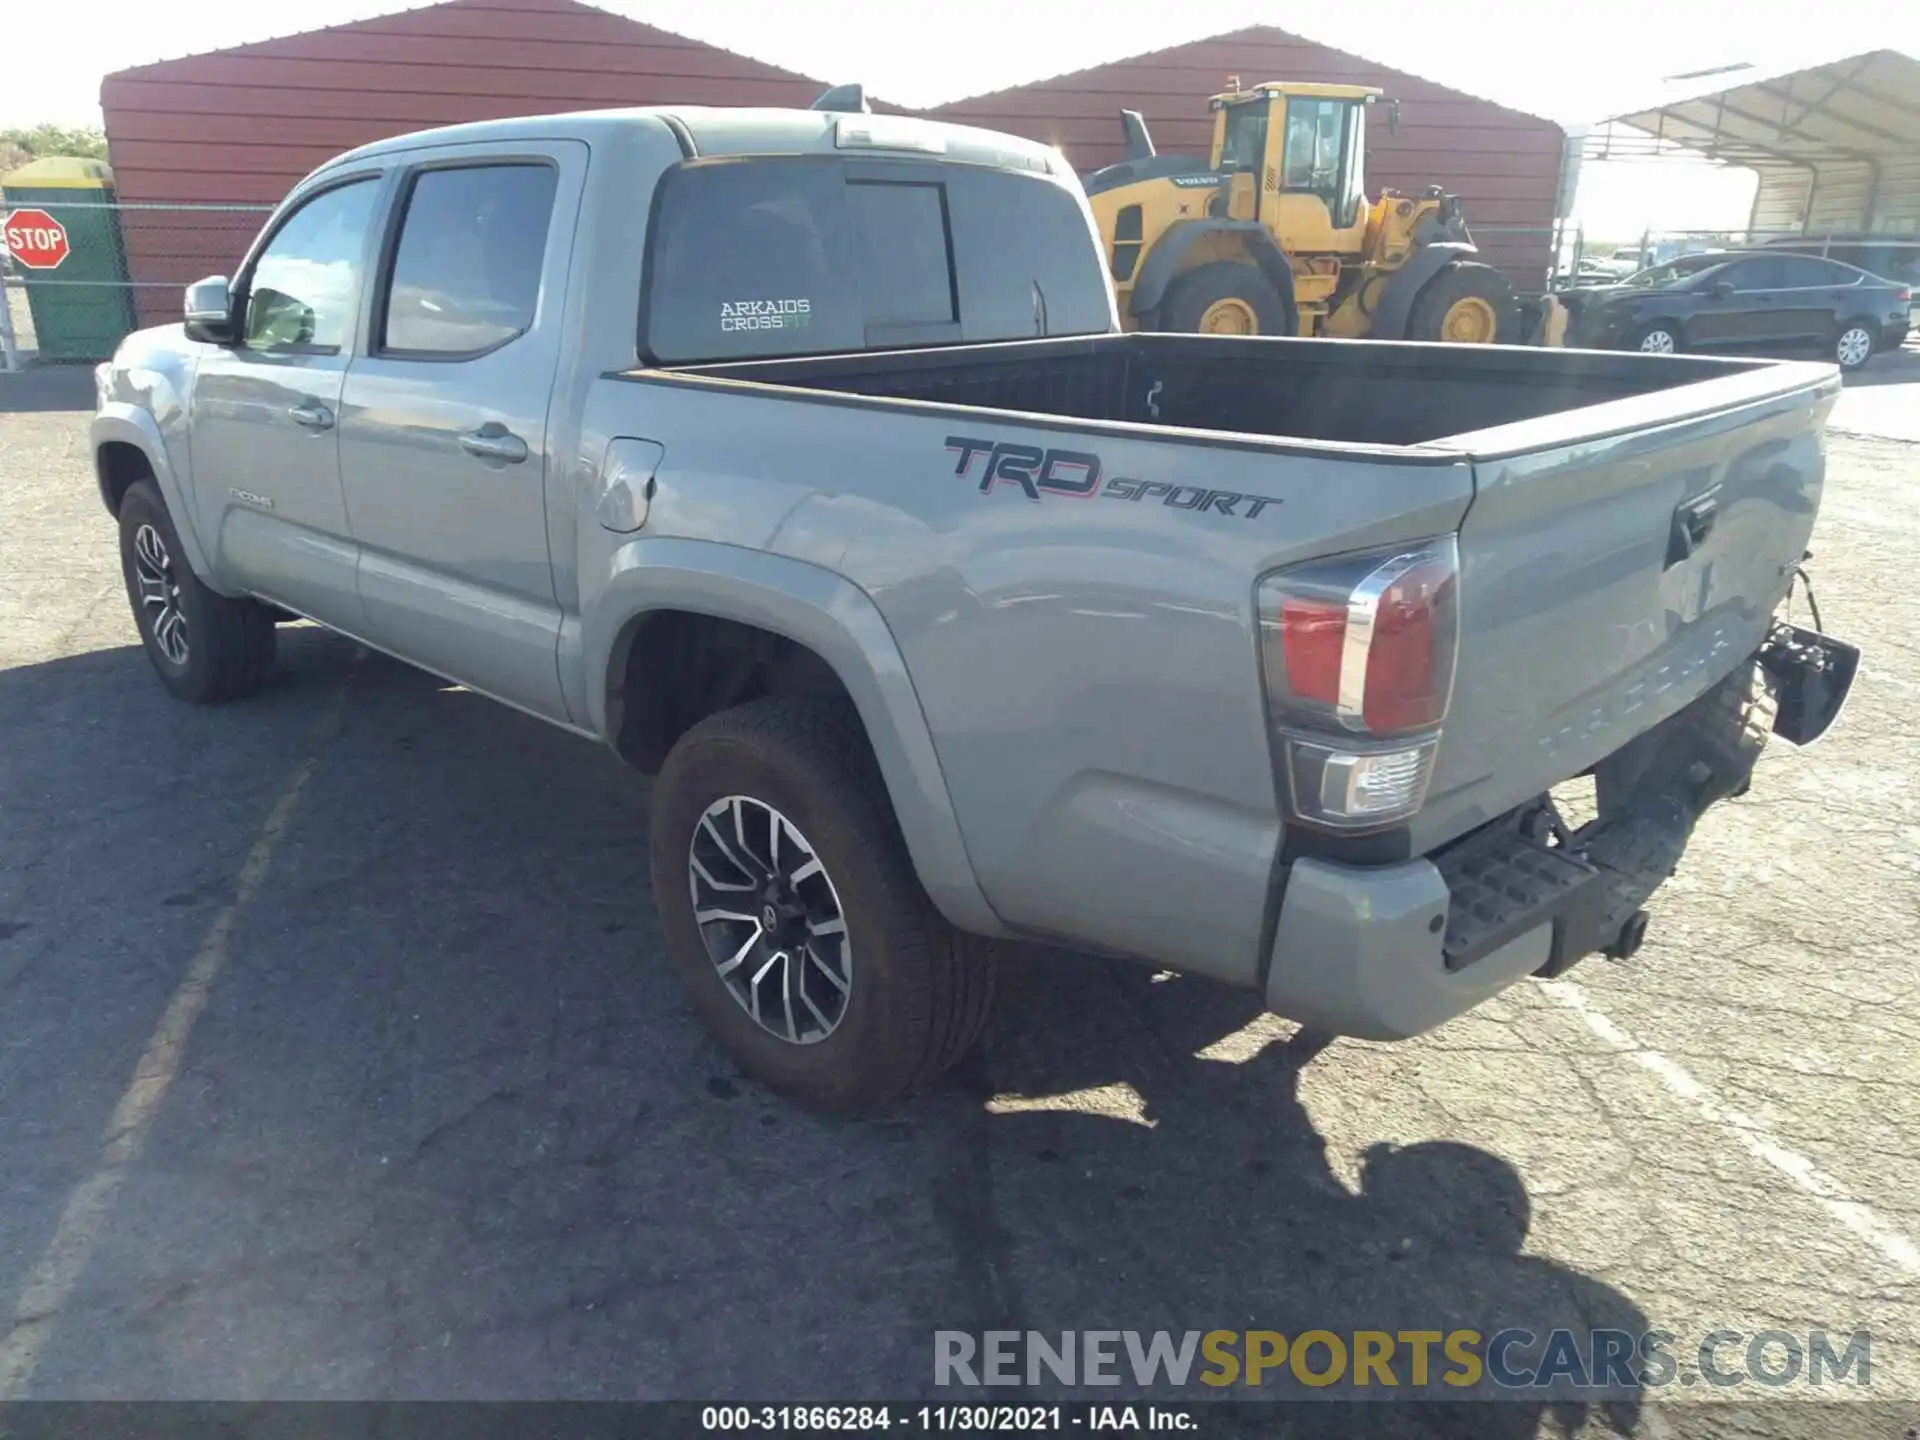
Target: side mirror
point(209, 310)
point(1722, 289)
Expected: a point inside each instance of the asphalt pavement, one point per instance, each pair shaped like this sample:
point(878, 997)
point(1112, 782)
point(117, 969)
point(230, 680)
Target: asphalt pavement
point(338, 1059)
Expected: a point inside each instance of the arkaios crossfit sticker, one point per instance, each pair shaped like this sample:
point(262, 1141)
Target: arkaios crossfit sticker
point(1076, 475)
point(765, 314)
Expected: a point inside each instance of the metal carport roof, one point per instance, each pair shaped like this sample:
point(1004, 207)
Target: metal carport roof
point(1837, 145)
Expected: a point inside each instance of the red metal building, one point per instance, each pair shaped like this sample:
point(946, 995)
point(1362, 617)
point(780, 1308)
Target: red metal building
point(1504, 164)
point(240, 126)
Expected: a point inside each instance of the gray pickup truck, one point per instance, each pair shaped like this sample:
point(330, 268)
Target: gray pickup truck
point(797, 456)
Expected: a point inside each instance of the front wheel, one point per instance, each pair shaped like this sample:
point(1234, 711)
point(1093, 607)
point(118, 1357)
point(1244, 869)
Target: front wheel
point(1466, 303)
point(1660, 339)
point(1853, 346)
point(1224, 297)
point(204, 647)
point(793, 914)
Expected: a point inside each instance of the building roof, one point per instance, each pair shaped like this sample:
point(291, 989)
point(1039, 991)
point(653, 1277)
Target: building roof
point(1364, 69)
point(548, 30)
point(1863, 108)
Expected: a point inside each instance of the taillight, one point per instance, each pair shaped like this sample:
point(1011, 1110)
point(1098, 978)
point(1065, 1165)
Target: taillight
point(1358, 652)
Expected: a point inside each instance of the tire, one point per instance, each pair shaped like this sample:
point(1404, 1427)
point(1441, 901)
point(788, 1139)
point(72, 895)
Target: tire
point(1195, 301)
point(204, 647)
point(1662, 337)
point(1481, 295)
point(916, 993)
point(1854, 344)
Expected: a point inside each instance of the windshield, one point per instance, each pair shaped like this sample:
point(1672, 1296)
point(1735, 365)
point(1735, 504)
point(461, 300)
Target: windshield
point(1315, 130)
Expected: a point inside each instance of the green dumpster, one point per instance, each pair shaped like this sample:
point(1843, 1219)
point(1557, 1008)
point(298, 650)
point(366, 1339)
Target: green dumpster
point(81, 303)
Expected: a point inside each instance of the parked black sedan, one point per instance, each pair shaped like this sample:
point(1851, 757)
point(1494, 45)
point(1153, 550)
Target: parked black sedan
point(1730, 300)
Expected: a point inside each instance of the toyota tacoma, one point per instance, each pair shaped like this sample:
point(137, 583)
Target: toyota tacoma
point(798, 456)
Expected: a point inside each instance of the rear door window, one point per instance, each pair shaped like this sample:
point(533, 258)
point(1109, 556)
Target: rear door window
point(1798, 272)
point(810, 255)
point(466, 271)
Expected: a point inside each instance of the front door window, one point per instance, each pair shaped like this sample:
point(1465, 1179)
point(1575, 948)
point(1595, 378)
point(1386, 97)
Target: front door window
point(300, 296)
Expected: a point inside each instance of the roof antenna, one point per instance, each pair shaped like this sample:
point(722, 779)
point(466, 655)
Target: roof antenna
point(852, 99)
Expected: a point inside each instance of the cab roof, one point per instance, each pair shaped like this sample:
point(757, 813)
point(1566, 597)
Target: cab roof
point(712, 130)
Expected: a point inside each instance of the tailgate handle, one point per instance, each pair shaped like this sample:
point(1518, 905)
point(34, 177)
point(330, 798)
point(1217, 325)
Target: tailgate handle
point(1692, 523)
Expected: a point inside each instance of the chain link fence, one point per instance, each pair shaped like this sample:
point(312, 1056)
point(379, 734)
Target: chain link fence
point(112, 268)
point(127, 263)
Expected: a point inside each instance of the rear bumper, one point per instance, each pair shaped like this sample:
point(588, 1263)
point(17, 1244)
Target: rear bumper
point(1386, 952)
point(1361, 952)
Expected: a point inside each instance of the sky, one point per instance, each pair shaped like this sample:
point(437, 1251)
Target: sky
point(1574, 61)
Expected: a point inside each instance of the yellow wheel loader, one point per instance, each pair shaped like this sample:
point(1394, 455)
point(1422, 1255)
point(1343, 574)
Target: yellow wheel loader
point(1275, 235)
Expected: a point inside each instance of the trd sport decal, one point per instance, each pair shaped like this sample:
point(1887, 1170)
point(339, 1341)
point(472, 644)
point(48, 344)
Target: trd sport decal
point(1075, 474)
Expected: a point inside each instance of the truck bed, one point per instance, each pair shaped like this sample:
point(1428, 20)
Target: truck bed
point(1089, 669)
point(1372, 393)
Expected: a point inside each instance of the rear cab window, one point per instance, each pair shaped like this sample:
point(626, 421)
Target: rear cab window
point(806, 255)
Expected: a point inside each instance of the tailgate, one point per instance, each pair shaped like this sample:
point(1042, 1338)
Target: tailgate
point(1616, 562)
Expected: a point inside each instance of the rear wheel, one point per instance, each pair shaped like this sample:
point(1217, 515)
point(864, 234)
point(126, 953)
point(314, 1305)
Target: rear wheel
point(204, 646)
point(1224, 298)
point(793, 914)
point(1467, 303)
point(1853, 346)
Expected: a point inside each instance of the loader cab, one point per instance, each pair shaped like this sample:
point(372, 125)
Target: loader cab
point(1293, 158)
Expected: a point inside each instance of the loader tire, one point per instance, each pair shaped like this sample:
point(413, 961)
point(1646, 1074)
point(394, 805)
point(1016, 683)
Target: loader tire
point(1466, 303)
point(1224, 298)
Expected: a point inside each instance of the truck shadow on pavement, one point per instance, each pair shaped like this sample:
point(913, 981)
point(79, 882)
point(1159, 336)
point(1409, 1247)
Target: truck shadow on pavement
point(446, 1128)
point(1176, 1182)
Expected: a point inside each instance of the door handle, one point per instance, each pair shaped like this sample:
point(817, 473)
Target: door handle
point(311, 414)
point(493, 441)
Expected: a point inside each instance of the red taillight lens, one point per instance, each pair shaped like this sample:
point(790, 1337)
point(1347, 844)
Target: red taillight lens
point(1313, 636)
point(1358, 653)
point(1363, 642)
point(1410, 660)
point(1905, 297)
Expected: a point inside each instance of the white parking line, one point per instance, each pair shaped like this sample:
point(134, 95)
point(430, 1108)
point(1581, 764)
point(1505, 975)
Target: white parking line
point(1747, 1132)
point(89, 1207)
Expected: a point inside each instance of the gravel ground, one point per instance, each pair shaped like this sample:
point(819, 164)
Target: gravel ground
point(415, 1109)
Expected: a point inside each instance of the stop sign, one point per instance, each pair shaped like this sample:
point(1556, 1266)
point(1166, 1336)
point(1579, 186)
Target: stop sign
point(37, 240)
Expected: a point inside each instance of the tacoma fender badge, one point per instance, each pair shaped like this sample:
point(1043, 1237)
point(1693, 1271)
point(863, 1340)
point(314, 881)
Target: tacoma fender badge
point(247, 497)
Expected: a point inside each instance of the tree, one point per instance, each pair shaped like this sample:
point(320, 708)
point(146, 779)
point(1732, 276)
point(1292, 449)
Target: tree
point(24, 143)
